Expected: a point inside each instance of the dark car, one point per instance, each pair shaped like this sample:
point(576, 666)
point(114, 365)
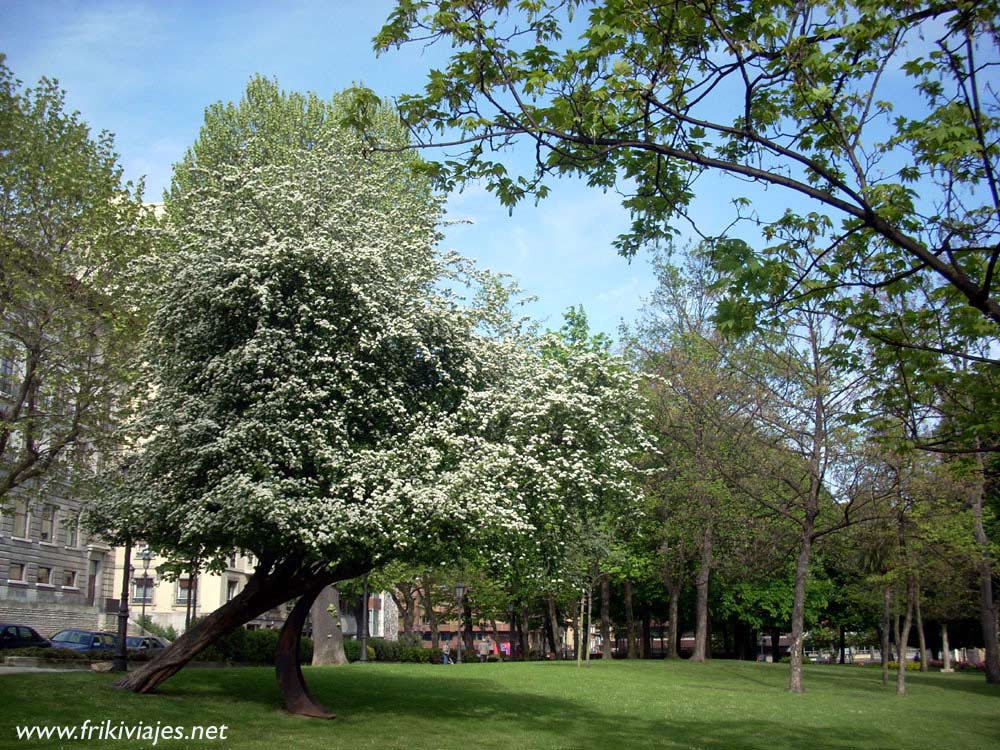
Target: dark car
point(85, 640)
point(21, 636)
point(144, 643)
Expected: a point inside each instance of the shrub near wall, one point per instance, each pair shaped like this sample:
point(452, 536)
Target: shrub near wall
point(251, 646)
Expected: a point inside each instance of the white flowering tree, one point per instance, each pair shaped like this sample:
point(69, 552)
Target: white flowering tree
point(567, 433)
point(309, 372)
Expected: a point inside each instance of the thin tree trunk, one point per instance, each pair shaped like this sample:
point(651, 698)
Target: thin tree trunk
point(525, 640)
point(799, 609)
point(921, 639)
point(590, 619)
point(328, 639)
point(606, 616)
point(426, 587)
point(647, 632)
point(554, 627)
point(630, 619)
point(903, 638)
point(673, 625)
point(886, 624)
point(775, 645)
point(700, 653)
point(842, 646)
point(945, 649)
point(578, 630)
point(987, 615)
point(467, 626)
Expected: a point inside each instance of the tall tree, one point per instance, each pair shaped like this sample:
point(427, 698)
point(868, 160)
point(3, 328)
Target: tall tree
point(70, 248)
point(308, 379)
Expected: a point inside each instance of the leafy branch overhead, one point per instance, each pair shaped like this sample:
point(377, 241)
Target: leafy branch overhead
point(882, 116)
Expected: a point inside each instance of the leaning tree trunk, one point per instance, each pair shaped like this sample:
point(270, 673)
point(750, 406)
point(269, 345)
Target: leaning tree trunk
point(700, 652)
point(264, 591)
point(525, 643)
point(606, 616)
point(288, 666)
point(328, 639)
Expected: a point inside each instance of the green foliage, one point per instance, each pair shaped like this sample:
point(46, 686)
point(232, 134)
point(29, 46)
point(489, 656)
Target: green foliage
point(385, 650)
point(352, 649)
point(73, 260)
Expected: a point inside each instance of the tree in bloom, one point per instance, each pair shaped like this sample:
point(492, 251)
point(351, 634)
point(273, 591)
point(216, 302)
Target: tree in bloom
point(308, 369)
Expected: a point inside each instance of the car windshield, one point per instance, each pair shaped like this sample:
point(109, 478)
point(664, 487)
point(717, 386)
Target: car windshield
point(133, 641)
point(72, 636)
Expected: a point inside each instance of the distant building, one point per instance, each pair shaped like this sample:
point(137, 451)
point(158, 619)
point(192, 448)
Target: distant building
point(52, 576)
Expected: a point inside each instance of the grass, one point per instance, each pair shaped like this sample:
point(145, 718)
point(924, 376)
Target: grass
point(721, 704)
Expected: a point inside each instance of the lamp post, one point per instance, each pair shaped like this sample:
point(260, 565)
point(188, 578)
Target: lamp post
point(145, 555)
point(363, 656)
point(120, 662)
point(460, 589)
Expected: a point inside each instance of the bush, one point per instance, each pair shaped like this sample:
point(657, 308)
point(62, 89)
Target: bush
point(352, 650)
point(169, 633)
point(410, 641)
point(385, 650)
point(252, 646)
point(415, 654)
point(45, 653)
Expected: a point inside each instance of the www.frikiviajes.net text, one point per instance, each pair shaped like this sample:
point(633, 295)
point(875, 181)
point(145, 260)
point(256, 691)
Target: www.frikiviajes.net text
point(120, 730)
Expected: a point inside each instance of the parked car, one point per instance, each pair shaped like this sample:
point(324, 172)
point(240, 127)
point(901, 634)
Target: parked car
point(85, 640)
point(144, 643)
point(20, 636)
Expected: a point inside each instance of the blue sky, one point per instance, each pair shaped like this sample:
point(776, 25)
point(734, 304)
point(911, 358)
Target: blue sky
point(146, 71)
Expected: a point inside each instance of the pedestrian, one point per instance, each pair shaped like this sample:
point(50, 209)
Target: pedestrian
point(485, 647)
point(446, 653)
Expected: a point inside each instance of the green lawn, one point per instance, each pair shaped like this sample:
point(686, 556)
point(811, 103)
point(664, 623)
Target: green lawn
point(524, 706)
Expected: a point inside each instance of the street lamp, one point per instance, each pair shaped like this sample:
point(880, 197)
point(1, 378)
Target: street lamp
point(460, 589)
point(120, 662)
point(146, 554)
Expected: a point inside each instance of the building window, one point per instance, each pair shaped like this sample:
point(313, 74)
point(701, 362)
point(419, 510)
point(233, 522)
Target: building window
point(231, 590)
point(6, 376)
point(21, 524)
point(69, 579)
point(142, 590)
point(48, 523)
point(232, 561)
point(183, 590)
point(16, 572)
point(374, 622)
point(73, 532)
point(44, 576)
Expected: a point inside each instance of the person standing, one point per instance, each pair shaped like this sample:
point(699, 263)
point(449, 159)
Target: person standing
point(485, 647)
point(446, 653)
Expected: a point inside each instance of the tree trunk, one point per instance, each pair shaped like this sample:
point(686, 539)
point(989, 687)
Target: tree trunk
point(264, 591)
point(700, 653)
point(987, 615)
point(553, 627)
point(775, 645)
point(328, 639)
point(590, 618)
point(430, 614)
point(921, 639)
point(525, 641)
point(630, 620)
point(578, 629)
point(886, 617)
point(799, 609)
point(903, 638)
point(842, 645)
point(288, 667)
point(467, 625)
point(945, 649)
point(647, 632)
point(673, 634)
point(606, 616)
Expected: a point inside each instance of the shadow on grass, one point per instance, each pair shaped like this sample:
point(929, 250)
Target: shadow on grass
point(870, 679)
point(490, 714)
